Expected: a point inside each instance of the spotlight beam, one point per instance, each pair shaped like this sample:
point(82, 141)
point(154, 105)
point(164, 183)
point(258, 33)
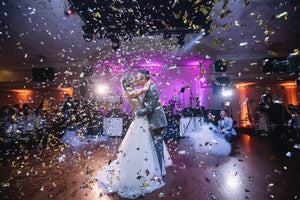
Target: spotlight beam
point(191, 43)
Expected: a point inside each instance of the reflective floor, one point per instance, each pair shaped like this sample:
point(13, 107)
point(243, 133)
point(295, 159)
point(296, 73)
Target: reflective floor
point(251, 171)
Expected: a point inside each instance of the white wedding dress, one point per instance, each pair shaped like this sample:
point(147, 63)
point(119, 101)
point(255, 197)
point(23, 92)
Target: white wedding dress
point(136, 169)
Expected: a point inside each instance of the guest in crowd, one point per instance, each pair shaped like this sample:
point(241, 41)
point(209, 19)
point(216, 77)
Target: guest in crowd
point(293, 110)
point(278, 119)
point(67, 109)
point(17, 108)
point(67, 106)
point(261, 119)
point(25, 108)
point(225, 127)
point(5, 121)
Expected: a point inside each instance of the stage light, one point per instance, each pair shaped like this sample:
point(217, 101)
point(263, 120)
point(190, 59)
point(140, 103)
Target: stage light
point(206, 28)
point(101, 89)
point(100, 33)
point(87, 71)
point(280, 101)
point(71, 10)
point(227, 92)
point(294, 61)
point(127, 37)
point(68, 12)
point(115, 42)
point(181, 41)
point(166, 35)
point(87, 32)
point(220, 66)
point(227, 103)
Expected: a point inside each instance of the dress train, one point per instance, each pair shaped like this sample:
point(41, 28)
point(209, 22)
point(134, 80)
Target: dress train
point(136, 170)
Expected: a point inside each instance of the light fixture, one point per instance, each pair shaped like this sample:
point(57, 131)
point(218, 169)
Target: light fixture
point(166, 35)
point(226, 92)
point(101, 89)
point(100, 33)
point(87, 71)
point(115, 42)
point(87, 32)
point(227, 103)
point(181, 41)
point(70, 10)
point(127, 37)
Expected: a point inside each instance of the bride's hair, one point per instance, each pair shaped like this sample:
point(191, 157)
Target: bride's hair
point(126, 81)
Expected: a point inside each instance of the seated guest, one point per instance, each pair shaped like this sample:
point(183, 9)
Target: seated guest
point(225, 127)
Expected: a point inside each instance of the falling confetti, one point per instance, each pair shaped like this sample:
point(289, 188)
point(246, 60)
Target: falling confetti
point(284, 14)
point(224, 14)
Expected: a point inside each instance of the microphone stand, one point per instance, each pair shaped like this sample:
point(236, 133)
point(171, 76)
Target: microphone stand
point(191, 106)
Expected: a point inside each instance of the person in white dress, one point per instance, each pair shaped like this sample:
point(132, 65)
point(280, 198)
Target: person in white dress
point(136, 169)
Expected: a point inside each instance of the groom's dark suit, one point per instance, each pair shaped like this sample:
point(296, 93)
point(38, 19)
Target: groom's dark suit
point(157, 119)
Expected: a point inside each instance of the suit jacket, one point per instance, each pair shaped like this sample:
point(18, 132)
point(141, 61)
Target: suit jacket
point(153, 109)
point(228, 125)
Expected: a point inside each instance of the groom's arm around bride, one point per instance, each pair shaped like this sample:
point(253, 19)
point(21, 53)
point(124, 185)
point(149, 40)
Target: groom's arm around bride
point(152, 104)
point(153, 109)
point(154, 112)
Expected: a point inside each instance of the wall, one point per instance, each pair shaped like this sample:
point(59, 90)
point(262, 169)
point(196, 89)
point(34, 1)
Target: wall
point(33, 97)
point(249, 96)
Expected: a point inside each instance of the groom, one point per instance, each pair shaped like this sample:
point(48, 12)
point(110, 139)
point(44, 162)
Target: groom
point(225, 127)
point(155, 113)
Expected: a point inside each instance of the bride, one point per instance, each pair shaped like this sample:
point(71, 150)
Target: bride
point(136, 170)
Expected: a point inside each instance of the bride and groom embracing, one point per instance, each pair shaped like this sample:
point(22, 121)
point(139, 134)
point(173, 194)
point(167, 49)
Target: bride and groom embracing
point(142, 155)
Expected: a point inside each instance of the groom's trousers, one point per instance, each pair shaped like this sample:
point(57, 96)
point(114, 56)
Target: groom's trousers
point(158, 137)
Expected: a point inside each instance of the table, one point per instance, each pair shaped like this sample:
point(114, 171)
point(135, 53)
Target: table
point(190, 124)
point(112, 126)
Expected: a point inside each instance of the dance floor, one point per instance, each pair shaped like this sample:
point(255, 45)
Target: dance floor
point(251, 171)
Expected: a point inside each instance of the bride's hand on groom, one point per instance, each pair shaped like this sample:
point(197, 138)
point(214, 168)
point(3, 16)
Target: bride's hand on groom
point(148, 84)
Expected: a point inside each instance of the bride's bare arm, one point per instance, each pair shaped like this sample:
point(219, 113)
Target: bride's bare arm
point(138, 92)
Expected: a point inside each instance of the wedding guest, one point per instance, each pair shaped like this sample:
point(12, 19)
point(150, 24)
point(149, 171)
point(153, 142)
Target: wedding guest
point(261, 119)
point(278, 118)
point(225, 127)
point(67, 109)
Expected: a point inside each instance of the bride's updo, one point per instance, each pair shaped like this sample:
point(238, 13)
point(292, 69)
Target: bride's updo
point(126, 81)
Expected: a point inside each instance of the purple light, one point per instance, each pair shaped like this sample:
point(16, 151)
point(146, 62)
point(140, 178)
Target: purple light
point(170, 71)
point(152, 64)
point(192, 63)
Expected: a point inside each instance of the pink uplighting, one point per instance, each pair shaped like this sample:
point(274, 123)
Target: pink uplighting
point(151, 64)
point(170, 71)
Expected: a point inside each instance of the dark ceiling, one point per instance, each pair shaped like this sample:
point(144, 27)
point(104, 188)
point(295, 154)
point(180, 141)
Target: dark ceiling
point(38, 32)
point(143, 16)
